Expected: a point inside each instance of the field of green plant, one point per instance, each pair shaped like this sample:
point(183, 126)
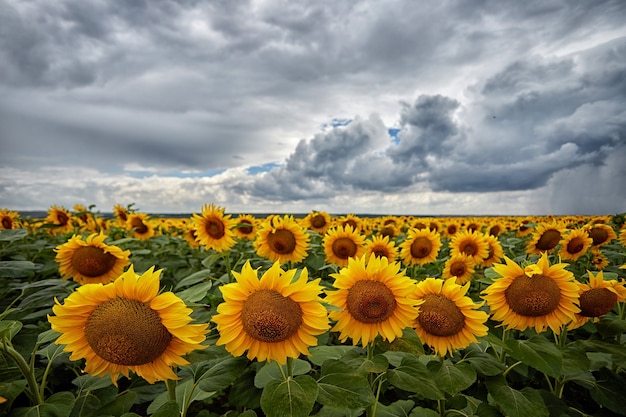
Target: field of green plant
point(321, 315)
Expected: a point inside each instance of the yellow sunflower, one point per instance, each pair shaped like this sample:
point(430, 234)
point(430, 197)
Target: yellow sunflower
point(597, 298)
point(574, 245)
point(381, 246)
point(91, 261)
point(351, 220)
point(61, 218)
point(496, 253)
point(540, 295)
point(318, 221)
point(121, 214)
point(601, 234)
point(420, 247)
point(452, 228)
point(274, 318)
point(9, 219)
point(622, 237)
point(342, 243)
point(246, 227)
point(470, 243)
point(459, 266)
point(127, 325)
point(191, 236)
point(140, 225)
point(545, 238)
point(282, 240)
point(214, 229)
point(374, 299)
point(448, 318)
point(599, 259)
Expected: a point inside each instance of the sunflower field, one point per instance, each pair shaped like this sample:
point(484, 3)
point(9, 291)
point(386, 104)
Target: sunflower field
point(219, 314)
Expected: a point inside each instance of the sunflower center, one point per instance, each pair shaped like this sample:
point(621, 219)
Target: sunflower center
point(282, 241)
point(421, 247)
point(139, 226)
point(62, 218)
point(457, 269)
point(495, 230)
point(350, 222)
point(597, 302)
point(469, 248)
point(91, 261)
point(270, 317)
point(7, 223)
point(380, 252)
point(370, 301)
point(245, 227)
point(344, 248)
point(318, 221)
point(548, 240)
point(599, 235)
point(387, 231)
point(440, 316)
point(533, 296)
point(575, 245)
point(214, 228)
point(126, 332)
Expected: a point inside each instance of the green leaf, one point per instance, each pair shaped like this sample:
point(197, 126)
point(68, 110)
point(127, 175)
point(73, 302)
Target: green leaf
point(16, 269)
point(609, 391)
point(9, 328)
point(539, 353)
point(423, 412)
point(196, 293)
point(12, 235)
point(514, 403)
point(52, 351)
point(484, 363)
point(361, 364)
point(413, 376)
point(271, 372)
point(452, 378)
point(120, 405)
point(609, 326)
point(47, 336)
point(89, 382)
point(57, 405)
point(575, 360)
point(193, 279)
point(10, 390)
point(396, 409)
point(319, 354)
point(220, 373)
point(168, 409)
point(293, 397)
point(344, 391)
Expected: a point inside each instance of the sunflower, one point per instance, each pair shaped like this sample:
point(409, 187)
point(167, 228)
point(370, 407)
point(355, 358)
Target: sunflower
point(496, 253)
point(470, 243)
point(127, 325)
point(448, 318)
point(91, 261)
point(525, 228)
point(622, 237)
point(191, 236)
point(420, 247)
point(59, 217)
point(274, 318)
point(246, 227)
point(545, 238)
point(318, 221)
point(9, 219)
point(121, 214)
point(539, 296)
point(599, 259)
point(574, 245)
point(601, 234)
point(451, 229)
point(381, 246)
point(351, 220)
point(597, 298)
point(459, 266)
point(342, 243)
point(374, 298)
point(214, 229)
point(140, 225)
point(282, 240)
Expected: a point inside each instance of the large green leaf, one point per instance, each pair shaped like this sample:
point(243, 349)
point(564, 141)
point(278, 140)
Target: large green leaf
point(319, 354)
point(539, 353)
point(413, 376)
point(397, 409)
point(57, 405)
point(292, 397)
point(344, 391)
point(514, 403)
point(9, 328)
point(120, 405)
point(452, 378)
point(220, 373)
point(609, 391)
point(484, 363)
point(272, 371)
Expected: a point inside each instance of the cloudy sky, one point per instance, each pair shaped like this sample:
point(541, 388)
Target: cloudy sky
point(474, 107)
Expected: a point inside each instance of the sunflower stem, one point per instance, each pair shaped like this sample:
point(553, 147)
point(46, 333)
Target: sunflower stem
point(171, 389)
point(282, 371)
point(26, 370)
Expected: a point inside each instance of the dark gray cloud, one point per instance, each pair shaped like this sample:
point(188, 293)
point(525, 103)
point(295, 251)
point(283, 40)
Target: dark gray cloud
point(486, 95)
